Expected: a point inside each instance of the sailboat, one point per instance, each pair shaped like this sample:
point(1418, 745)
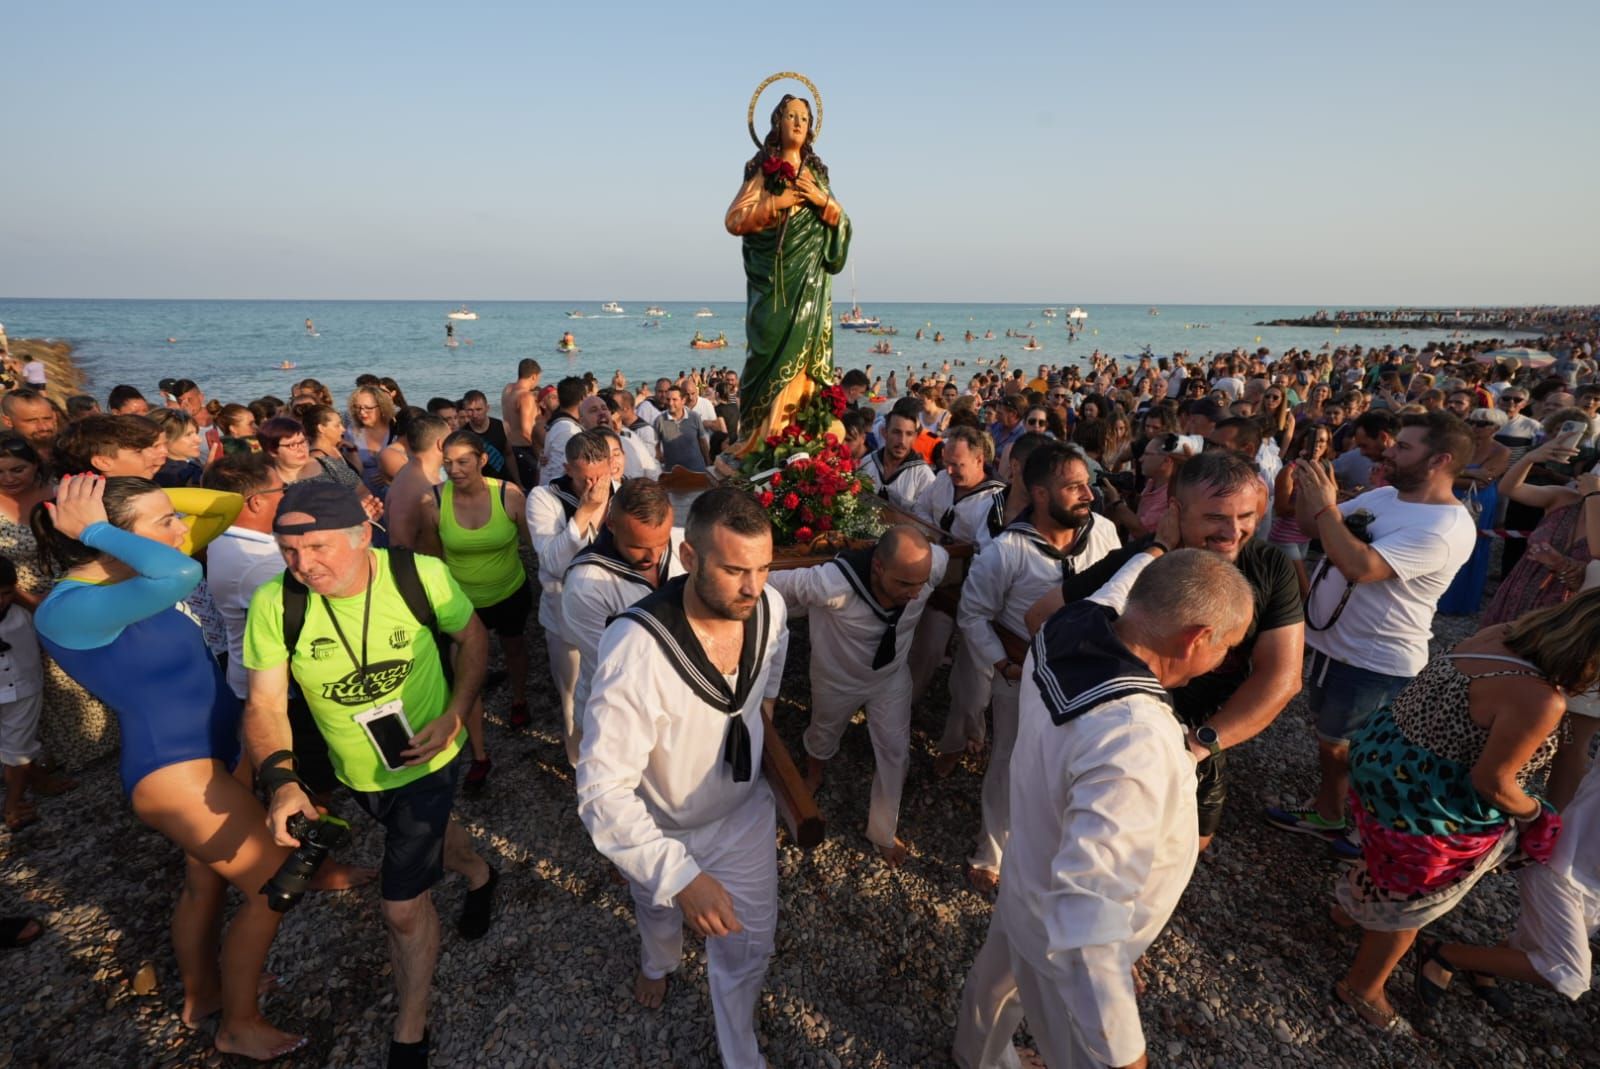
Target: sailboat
point(853, 319)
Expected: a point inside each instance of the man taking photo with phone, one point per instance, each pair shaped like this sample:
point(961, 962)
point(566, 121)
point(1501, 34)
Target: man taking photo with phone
point(358, 628)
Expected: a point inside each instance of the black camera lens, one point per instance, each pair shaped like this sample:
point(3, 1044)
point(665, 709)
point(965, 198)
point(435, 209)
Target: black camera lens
point(317, 839)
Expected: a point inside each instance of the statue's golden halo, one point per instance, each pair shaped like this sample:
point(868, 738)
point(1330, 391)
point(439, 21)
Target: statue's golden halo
point(816, 100)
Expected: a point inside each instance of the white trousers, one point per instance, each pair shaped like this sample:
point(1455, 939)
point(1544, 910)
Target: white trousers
point(19, 729)
point(889, 726)
point(740, 851)
point(1000, 988)
point(928, 646)
point(564, 671)
point(1557, 923)
point(997, 778)
point(969, 694)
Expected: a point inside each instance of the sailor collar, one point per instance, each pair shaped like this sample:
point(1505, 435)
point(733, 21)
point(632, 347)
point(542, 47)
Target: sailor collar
point(1079, 663)
point(993, 488)
point(603, 553)
point(856, 564)
point(912, 460)
point(1023, 525)
point(662, 615)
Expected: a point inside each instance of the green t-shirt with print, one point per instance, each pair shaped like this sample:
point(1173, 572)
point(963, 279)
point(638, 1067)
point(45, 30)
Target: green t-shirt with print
point(402, 662)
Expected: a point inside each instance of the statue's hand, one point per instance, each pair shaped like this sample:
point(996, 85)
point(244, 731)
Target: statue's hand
point(810, 190)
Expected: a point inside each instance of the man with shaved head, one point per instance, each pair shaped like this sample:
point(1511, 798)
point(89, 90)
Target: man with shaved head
point(871, 600)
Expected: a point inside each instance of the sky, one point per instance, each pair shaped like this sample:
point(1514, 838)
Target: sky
point(1286, 153)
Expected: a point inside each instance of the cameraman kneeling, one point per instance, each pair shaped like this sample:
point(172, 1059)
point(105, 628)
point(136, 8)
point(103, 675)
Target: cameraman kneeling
point(344, 619)
point(1391, 553)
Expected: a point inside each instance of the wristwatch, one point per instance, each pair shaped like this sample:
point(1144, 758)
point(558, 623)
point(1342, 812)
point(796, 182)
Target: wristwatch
point(1206, 736)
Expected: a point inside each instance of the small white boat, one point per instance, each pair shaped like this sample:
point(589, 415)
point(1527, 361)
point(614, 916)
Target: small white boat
point(1078, 314)
point(1049, 313)
point(854, 320)
point(704, 313)
point(461, 313)
point(575, 314)
point(611, 306)
point(654, 313)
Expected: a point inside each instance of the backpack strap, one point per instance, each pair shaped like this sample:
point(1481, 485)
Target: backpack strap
point(294, 611)
point(402, 565)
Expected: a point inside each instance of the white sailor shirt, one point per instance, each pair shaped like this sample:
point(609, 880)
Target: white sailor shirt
point(909, 481)
point(598, 585)
point(556, 434)
point(976, 517)
point(655, 756)
point(1017, 569)
point(557, 539)
point(845, 637)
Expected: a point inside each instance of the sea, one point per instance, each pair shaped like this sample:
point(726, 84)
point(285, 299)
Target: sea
point(236, 349)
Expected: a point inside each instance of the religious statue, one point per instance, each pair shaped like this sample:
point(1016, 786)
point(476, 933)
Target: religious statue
point(795, 238)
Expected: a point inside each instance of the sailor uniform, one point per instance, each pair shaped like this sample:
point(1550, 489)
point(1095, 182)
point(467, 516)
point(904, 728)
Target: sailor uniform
point(562, 426)
point(598, 585)
point(859, 655)
point(977, 517)
point(638, 455)
point(1017, 569)
point(670, 785)
point(1103, 843)
point(556, 540)
point(906, 485)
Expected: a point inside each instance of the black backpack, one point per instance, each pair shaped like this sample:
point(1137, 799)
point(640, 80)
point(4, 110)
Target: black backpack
point(403, 566)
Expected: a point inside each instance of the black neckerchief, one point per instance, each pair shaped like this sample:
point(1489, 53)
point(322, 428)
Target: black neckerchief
point(948, 520)
point(912, 460)
point(562, 488)
point(638, 423)
point(1023, 525)
point(602, 553)
point(1080, 663)
point(662, 615)
point(856, 564)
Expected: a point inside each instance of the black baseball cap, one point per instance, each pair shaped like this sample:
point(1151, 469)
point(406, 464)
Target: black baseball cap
point(318, 506)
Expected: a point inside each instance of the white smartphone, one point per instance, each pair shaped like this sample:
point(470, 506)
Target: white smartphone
point(1572, 432)
point(389, 732)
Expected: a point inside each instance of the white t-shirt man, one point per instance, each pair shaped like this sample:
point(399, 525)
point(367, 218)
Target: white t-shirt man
point(236, 564)
point(1384, 627)
point(33, 372)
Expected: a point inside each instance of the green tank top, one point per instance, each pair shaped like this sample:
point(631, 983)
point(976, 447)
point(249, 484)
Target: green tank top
point(484, 560)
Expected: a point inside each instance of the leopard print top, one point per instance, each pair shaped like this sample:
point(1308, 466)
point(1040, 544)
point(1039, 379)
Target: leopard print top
point(1432, 712)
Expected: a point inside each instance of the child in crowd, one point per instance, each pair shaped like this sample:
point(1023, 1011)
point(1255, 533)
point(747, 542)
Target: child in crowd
point(21, 695)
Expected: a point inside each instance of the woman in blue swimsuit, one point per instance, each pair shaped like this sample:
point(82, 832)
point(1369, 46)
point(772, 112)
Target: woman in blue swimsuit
point(113, 623)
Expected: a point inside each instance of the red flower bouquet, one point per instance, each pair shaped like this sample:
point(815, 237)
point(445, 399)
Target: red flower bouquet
point(779, 173)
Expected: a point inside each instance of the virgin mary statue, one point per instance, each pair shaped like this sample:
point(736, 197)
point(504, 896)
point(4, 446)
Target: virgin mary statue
point(795, 239)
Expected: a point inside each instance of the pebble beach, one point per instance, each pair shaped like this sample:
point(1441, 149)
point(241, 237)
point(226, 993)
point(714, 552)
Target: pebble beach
point(869, 960)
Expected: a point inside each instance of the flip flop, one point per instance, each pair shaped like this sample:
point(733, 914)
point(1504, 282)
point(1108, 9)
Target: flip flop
point(1371, 1014)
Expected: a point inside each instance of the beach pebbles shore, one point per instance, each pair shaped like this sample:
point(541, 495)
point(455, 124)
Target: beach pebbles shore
point(869, 960)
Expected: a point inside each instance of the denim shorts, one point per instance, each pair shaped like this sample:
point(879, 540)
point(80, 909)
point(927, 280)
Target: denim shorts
point(1342, 696)
point(414, 818)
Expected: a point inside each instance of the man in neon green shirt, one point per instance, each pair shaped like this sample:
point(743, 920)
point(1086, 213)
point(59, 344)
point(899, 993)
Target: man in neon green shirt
point(361, 652)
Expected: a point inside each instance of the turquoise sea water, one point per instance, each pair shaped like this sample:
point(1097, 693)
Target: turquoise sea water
point(232, 347)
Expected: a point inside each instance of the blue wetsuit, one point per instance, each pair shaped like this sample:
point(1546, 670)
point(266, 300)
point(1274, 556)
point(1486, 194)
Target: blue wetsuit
point(131, 647)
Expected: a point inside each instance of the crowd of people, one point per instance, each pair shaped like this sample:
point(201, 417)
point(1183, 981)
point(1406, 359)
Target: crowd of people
point(286, 608)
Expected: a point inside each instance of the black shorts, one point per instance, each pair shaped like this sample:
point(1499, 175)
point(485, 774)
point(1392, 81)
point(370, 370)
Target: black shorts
point(508, 617)
point(414, 817)
point(527, 465)
point(1212, 774)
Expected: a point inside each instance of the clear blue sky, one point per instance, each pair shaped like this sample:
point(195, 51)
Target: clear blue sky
point(1272, 153)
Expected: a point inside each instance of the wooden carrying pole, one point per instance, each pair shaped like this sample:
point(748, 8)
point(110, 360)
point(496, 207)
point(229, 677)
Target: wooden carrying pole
point(795, 804)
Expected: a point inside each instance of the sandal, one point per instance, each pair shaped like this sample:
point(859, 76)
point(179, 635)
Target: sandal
point(17, 932)
point(1371, 1014)
point(1493, 995)
point(1428, 992)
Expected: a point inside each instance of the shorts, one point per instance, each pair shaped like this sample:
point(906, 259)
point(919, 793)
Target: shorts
point(508, 617)
point(1342, 696)
point(527, 465)
point(19, 730)
point(414, 817)
point(1211, 783)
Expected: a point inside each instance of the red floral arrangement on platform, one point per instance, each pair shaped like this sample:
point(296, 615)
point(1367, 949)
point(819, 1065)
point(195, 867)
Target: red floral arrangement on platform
point(806, 480)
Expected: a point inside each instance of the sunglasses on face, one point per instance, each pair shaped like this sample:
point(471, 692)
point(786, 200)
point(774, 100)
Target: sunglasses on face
point(1038, 423)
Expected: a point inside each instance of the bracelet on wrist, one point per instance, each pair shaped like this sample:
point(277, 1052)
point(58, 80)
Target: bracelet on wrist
point(1156, 543)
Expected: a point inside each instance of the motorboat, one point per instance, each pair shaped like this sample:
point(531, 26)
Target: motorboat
point(461, 313)
point(575, 314)
point(1078, 314)
point(655, 313)
point(704, 313)
point(1049, 313)
point(613, 307)
point(855, 320)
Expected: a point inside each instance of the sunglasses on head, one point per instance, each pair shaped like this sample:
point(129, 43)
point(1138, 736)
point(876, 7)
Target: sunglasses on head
point(1481, 423)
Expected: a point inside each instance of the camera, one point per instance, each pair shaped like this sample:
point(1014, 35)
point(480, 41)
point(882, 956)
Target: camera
point(1359, 523)
point(317, 839)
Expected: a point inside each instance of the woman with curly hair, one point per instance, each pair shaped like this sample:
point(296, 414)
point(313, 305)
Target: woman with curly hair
point(795, 238)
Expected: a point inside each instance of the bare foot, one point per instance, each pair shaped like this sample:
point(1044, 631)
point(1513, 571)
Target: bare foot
point(198, 1008)
point(258, 1041)
point(982, 880)
point(1138, 977)
point(893, 856)
point(50, 784)
point(946, 763)
point(649, 993)
point(974, 746)
point(338, 876)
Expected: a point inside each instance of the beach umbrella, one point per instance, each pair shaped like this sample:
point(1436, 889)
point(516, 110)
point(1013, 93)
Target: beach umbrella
point(1528, 357)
